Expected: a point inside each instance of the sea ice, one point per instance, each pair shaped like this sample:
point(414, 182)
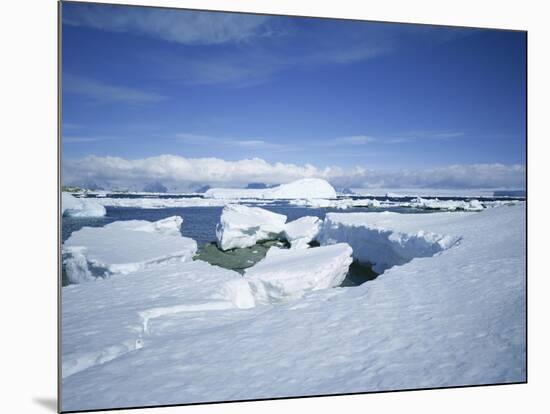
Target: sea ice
point(102, 321)
point(378, 238)
point(448, 205)
point(302, 231)
point(242, 226)
point(455, 318)
point(80, 207)
point(123, 247)
point(288, 274)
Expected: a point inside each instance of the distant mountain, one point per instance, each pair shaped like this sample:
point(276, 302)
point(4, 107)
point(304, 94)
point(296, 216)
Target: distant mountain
point(202, 189)
point(257, 186)
point(510, 193)
point(155, 187)
point(345, 191)
point(86, 185)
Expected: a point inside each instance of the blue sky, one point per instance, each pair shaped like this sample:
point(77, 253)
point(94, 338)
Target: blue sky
point(358, 102)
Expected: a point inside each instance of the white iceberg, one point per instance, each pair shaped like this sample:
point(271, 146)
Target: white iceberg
point(123, 247)
point(80, 207)
point(241, 226)
point(302, 231)
point(309, 188)
point(288, 274)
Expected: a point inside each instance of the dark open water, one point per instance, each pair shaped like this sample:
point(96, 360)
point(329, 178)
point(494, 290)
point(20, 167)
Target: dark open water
point(199, 223)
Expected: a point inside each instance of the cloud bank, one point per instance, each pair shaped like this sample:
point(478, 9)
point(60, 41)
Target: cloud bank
point(183, 174)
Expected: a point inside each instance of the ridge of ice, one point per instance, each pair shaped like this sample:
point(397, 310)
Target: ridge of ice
point(375, 239)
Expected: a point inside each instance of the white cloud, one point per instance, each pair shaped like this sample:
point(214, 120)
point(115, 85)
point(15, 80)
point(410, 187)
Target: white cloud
point(180, 26)
point(184, 173)
point(348, 141)
point(207, 140)
point(100, 91)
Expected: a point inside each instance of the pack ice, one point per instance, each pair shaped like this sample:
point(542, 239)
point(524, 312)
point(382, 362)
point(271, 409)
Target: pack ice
point(123, 247)
point(449, 310)
point(80, 207)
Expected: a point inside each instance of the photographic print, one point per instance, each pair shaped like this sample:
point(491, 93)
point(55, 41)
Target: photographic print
point(266, 206)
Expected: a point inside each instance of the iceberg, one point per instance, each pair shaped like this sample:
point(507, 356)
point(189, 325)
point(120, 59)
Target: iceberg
point(123, 247)
point(308, 188)
point(80, 207)
point(288, 274)
point(302, 231)
point(241, 226)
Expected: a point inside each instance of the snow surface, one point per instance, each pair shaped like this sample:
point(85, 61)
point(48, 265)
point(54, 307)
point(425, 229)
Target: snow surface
point(241, 226)
point(104, 320)
point(304, 188)
point(288, 274)
point(123, 247)
point(456, 318)
point(302, 231)
point(80, 207)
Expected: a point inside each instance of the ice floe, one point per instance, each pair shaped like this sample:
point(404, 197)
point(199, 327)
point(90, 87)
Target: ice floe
point(299, 233)
point(123, 247)
point(241, 226)
point(288, 274)
point(80, 207)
